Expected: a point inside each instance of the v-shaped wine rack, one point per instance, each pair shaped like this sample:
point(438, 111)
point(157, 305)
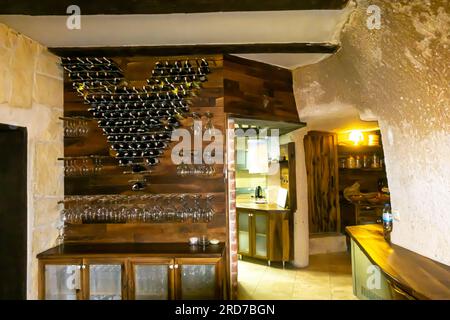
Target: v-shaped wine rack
point(138, 122)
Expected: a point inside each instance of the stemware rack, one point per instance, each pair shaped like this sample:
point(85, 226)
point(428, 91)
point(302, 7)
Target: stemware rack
point(75, 127)
point(82, 165)
point(145, 208)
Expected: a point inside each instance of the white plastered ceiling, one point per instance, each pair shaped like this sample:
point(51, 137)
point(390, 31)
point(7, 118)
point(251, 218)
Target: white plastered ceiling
point(302, 26)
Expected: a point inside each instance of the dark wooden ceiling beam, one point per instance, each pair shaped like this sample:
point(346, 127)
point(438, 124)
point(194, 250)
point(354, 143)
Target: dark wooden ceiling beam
point(90, 7)
point(196, 49)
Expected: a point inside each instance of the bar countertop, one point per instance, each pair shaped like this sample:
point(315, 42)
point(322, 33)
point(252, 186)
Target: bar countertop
point(134, 249)
point(272, 207)
point(419, 276)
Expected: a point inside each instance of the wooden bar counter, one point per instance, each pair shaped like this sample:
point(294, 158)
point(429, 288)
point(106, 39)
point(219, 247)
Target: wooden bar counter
point(408, 274)
point(178, 250)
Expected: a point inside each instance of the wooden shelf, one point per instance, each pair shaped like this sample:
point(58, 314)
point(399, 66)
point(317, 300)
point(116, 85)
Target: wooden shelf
point(344, 149)
point(359, 170)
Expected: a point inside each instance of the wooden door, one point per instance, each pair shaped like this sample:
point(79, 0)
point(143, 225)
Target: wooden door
point(60, 279)
point(198, 278)
point(105, 279)
point(151, 279)
point(323, 185)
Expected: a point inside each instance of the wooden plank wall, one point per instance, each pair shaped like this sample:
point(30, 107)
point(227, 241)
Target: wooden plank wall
point(164, 178)
point(258, 90)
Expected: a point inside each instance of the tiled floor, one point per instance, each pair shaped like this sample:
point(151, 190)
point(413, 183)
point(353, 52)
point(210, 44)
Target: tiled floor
point(328, 277)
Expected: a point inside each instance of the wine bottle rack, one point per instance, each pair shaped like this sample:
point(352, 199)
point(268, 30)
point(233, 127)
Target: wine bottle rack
point(137, 122)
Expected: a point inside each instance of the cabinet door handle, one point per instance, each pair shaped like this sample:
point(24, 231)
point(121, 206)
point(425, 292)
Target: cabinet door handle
point(176, 266)
point(171, 266)
point(83, 266)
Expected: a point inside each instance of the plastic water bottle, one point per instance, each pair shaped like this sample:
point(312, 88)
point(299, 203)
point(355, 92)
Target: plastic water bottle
point(387, 222)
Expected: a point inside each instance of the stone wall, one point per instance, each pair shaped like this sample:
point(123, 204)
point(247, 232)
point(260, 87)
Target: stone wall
point(398, 75)
point(31, 96)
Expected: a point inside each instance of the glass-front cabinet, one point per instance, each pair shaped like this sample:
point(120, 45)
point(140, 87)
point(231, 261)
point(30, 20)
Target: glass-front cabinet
point(244, 222)
point(260, 235)
point(62, 280)
point(106, 279)
point(253, 229)
point(198, 279)
point(134, 278)
point(151, 279)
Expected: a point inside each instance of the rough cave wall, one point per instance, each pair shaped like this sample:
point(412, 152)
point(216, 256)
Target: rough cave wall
point(398, 75)
point(31, 96)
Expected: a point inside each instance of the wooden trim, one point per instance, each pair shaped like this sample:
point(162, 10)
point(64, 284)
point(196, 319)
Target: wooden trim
point(118, 7)
point(336, 184)
point(201, 49)
point(41, 280)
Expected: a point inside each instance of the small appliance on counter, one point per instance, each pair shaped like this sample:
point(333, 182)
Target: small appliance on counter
point(259, 196)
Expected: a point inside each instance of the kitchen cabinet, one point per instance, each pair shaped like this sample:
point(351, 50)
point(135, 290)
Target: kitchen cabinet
point(177, 272)
point(151, 279)
point(198, 279)
point(60, 279)
point(104, 279)
point(264, 233)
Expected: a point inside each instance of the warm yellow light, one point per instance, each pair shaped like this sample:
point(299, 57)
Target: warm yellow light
point(356, 137)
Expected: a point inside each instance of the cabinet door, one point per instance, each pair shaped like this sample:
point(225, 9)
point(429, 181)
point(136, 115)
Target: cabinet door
point(244, 233)
point(151, 279)
point(60, 280)
point(198, 278)
point(260, 235)
point(105, 279)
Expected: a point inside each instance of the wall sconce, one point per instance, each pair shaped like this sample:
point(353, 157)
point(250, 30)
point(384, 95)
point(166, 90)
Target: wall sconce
point(356, 137)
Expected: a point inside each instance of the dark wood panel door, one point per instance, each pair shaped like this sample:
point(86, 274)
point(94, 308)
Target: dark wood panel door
point(323, 184)
point(13, 212)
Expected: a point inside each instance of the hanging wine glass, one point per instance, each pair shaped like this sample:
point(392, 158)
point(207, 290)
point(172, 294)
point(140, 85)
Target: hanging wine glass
point(196, 127)
point(209, 210)
point(209, 126)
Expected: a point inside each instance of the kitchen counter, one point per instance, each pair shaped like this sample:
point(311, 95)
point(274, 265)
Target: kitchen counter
point(273, 207)
point(420, 277)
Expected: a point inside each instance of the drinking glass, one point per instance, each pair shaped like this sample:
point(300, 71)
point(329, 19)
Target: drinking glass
point(209, 126)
